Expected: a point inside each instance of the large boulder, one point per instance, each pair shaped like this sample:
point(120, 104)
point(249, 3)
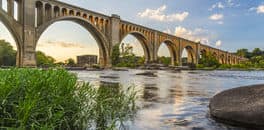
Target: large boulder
point(240, 106)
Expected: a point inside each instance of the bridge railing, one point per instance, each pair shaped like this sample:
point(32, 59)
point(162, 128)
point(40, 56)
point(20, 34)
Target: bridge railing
point(73, 7)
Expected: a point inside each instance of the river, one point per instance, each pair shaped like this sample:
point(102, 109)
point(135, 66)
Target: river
point(175, 100)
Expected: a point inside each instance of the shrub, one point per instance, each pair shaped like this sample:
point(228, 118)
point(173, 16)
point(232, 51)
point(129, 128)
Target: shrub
point(54, 99)
point(224, 66)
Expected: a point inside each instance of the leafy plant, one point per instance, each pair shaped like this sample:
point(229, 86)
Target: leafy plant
point(55, 99)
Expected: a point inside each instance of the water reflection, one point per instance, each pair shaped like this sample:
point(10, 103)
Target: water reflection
point(150, 93)
point(175, 100)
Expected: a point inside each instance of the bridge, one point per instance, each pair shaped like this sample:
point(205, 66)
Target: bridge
point(35, 16)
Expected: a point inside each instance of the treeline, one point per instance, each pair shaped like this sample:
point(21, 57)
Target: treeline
point(255, 60)
point(7, 54)
point(8, 57)
point(256, 57)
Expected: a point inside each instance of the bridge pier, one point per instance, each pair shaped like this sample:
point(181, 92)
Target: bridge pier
point(28, 53)
point(10, 7)
point(1, 3)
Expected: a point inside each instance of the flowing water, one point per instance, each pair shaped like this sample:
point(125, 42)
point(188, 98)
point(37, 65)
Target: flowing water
point(175, 100)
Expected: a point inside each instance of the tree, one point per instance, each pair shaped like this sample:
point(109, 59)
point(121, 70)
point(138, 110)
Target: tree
point(43, 60)
point(257, 52)
point(70, 62)
point(209, 60)
point(164, 60)
point(243, 52)
point(7, 54)
point(115, 55)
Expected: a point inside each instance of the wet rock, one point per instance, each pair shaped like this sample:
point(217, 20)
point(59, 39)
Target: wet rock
point(176, 70)
point(176, 122)
point(109, 77)
point(94, 69)
point(75, 68)
point(240, 106)
point(153, 66)
point(148, 73)
point(120, 69)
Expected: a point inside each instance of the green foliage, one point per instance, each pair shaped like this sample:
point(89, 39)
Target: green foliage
point(126, 58)
point(43, 60)
point(243, 53)
point(54, 99)
point(141, 60)
point(224, 66)
point(131, 61)
point(256, 59)
point(164, 60)
point(257, 52)
point(209, 60)
point(200, 66)
point(70, 62)
point(115, 55)
point(113, 106)
point(240, 66)
point(7, 54)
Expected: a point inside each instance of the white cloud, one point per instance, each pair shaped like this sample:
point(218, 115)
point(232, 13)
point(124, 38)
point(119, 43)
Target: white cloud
point(218, 43)
point(218, 5)
point(230, 2)
point(224, 4)
point(61, 50)
point(168, 31)
point(62, 44)
point(197, 35)
point(216, 17)
point(260, 9)
point(159, 15)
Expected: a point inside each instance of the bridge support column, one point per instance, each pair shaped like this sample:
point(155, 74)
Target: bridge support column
point(10, 7)
point(179, 60)
point(1, 4)
point(198, 51)
point(19, 11)
point(114, 35)
point(28, 55)
point(28, 52)
point(155, 48)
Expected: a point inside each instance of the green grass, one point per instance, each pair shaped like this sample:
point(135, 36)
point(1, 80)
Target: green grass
point(55, 99)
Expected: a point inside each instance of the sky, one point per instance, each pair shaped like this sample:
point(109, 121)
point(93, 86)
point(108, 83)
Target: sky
point(224, 24)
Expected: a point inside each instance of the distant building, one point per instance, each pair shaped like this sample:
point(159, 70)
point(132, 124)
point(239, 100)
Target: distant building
point(87, 60)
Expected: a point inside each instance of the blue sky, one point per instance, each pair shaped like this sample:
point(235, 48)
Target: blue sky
point(225, 24)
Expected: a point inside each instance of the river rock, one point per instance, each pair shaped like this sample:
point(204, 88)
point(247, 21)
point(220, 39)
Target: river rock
point(120, 69)
point(240, 106)
point(148, 73)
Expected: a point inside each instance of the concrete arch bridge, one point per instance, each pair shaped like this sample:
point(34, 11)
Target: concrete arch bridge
point(33, 17)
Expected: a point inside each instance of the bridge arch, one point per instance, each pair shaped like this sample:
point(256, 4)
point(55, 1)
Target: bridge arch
point(203, 53)
point(215, 55)
point(172, 50)
point(229, 60)
point(14, 29)
point(100, 38)
point(222, 59)
point(142, 40)
point(191, 55)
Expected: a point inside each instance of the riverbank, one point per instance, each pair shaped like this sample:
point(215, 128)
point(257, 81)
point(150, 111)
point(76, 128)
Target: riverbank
point(153, 67)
